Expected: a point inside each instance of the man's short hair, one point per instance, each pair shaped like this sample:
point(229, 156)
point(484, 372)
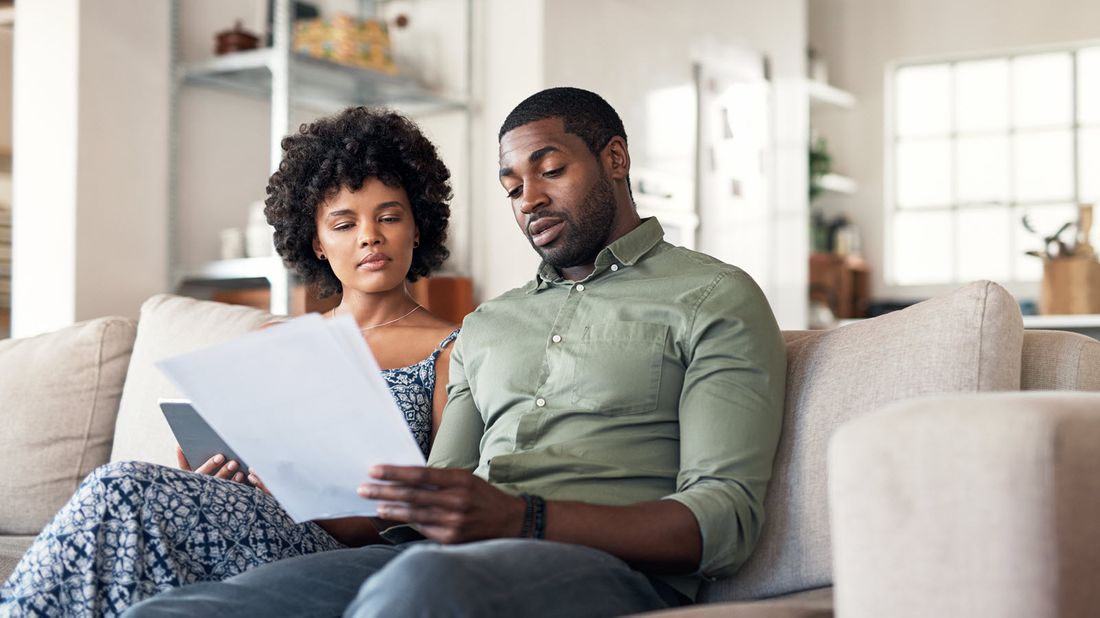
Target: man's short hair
point(583, 113)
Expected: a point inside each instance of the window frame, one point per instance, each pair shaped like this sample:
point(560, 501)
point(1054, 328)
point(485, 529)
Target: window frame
point(1008, 207)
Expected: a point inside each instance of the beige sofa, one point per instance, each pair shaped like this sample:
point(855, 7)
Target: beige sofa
point(942, 496)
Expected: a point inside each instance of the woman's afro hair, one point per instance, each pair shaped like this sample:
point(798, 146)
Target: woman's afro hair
point(343, 151)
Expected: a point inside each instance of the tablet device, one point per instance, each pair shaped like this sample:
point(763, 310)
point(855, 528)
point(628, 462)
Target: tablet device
point(197, 439)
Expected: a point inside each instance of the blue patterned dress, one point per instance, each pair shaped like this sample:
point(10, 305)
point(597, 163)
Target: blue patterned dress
point(134, 529)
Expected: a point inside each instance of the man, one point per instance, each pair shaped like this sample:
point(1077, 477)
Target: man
point(609, 430)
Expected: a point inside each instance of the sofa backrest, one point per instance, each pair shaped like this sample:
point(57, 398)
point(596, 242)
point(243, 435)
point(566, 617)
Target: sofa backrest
point(59, 393)
point(169, 325)
point(966, 341)
point(1060, 361)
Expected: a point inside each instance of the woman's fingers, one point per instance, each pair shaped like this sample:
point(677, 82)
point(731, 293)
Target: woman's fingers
point(228, 470)
point(182, 459)
point(257, 483)
point(212, 465)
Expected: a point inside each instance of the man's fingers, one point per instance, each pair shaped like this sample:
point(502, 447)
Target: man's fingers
point(420, 475)
point(429, 516)
point(415, 496)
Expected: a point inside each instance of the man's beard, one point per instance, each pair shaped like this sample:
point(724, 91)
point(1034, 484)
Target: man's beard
point(579, 244)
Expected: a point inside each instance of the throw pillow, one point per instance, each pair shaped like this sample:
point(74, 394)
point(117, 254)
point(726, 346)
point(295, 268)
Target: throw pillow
point(59, 394)
point(967, 341)
point(169, 325)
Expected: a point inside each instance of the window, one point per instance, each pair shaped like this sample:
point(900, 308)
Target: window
point(976, 145)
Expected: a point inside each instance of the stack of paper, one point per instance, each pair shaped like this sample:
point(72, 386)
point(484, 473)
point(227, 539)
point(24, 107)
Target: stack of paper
point(305, 405)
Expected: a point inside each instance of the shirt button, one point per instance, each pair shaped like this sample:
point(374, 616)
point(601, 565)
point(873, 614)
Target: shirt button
point(614, 267)
point(580, 287)
point(540, 402)
point(556, 339)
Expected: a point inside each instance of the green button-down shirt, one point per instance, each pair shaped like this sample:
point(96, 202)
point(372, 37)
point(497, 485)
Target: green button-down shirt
point(660, 375)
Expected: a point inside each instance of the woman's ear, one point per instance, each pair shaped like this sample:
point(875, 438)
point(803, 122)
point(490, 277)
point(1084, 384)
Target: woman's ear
point(616, 158)
point(317, 249)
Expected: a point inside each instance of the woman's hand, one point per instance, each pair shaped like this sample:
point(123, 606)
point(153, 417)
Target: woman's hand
point(257, 483)
point(446, 505)
point(216, 466)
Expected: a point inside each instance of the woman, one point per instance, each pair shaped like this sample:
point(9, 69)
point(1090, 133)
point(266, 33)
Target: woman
point(360, 207)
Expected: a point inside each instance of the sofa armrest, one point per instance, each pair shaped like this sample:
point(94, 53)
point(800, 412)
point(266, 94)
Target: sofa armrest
point(974, 505)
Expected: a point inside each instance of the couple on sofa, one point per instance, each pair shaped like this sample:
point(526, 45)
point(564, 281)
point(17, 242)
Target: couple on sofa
point(608, 430)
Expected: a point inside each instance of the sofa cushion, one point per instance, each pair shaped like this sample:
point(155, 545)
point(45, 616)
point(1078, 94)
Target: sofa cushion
point(969, 505)
point(816, 603)
point(12, 549)
point(169, 325)
point(967, 341)
point(1060, 361)
point(59, 394)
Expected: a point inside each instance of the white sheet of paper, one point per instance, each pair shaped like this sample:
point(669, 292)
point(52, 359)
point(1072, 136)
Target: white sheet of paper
point(303, 403)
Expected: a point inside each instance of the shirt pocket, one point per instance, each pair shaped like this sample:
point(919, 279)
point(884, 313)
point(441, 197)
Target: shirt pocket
point(617, 367)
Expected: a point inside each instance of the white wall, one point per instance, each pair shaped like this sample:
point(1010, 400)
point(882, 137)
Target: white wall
point(44, 174)
point(634, 52)
point(122, 163)
point(90, 120)
point(859, 37)
point(6, 44)
point(512, 68)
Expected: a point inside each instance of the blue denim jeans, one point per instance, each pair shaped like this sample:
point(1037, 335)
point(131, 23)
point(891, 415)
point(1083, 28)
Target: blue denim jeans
point(507, 577)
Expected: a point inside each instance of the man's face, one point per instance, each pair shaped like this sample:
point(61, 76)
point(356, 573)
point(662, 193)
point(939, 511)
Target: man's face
point(562, 198)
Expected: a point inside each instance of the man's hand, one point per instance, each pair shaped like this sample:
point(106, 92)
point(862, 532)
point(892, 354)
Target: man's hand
point(446, 505)
point(215, 466)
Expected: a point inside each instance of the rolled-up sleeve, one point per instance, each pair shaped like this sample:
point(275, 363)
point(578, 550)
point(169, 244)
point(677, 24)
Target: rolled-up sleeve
point(731, 411)
point(457, 442)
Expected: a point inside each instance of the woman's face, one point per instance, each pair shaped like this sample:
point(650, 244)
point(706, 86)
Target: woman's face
point(367, 236)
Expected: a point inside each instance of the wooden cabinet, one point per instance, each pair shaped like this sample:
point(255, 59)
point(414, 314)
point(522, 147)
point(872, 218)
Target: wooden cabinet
point(842, 282)
point(450, 298)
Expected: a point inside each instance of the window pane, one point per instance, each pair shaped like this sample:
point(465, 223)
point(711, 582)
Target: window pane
point(1088, 170)
point(1046, 220)
point(923, 100)
point(924, 173)
point(1043, 166)
point(1088, 85)
point(981, 95)
point(923, 247)
point(983, 169)
point(1041, 90)
point(984, 244)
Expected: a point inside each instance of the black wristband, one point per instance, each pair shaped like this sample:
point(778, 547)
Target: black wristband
point(528, 515)
point(538, 528)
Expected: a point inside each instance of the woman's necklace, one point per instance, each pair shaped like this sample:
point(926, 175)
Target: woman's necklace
point(365, 329)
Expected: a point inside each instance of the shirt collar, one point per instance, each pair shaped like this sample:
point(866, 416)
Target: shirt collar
point(625, 251)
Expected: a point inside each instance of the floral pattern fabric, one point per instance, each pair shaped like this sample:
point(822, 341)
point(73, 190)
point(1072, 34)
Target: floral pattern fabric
point(412, 389)
point(133, 529)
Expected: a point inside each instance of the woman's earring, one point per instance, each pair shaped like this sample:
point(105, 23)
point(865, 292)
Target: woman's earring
point(320, 256)
point(416, 243)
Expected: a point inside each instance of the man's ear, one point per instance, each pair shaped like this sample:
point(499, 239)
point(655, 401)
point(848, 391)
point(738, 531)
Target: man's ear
point(616, 158)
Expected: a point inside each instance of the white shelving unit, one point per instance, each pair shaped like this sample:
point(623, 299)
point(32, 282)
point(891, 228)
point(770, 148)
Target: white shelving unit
point(824, 96)
point(838, 184)
point(287, 79)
